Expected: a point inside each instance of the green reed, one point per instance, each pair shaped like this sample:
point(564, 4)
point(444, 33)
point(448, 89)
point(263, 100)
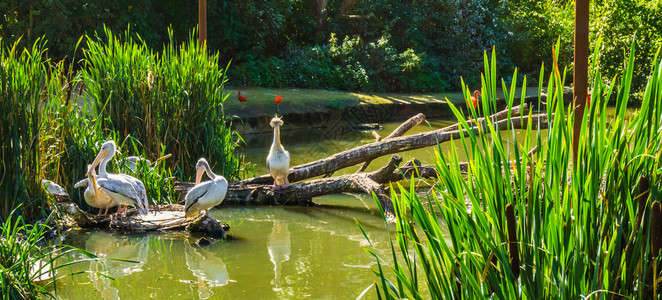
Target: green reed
point(157, 176)
point(170, 101)
point(579, 230)
point(31, 266)
point(22, 96)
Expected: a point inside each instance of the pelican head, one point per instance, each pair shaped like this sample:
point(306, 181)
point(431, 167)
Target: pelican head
point(276, 121)
point(107, 151)
point(200, 169)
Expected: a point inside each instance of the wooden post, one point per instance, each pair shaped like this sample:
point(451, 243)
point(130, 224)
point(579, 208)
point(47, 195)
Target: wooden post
point(202, 21)
point(580, 76)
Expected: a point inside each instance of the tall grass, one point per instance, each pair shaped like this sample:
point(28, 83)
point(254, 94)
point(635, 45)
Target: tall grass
point(579, 230)
point(22, 94)
point(29, 265)
point(170, 101)
point(151, 103)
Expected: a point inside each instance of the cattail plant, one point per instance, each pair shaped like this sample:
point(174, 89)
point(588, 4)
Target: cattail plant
point(511, 223)
point(656, 228)
point(576, 232)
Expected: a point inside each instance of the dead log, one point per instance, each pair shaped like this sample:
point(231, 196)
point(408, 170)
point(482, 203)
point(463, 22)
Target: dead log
point(398, 144)
point(404, 127)
point(258, 191)
point(163, 217)
point(516, 110)
point(303, 192)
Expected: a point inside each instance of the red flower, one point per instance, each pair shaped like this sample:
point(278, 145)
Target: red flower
point(278, 100)
point(588, 100)
point(474, 99)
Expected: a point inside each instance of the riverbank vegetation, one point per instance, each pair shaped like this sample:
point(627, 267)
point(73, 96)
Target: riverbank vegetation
point(371, 46)
point(29, 263)
point(160, 106)
point(541, 225)
point(152, 103)
point(545, 225)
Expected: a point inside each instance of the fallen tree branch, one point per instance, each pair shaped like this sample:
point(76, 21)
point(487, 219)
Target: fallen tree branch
point(404, 127)
point(516, 110)
point(258, 190)
point(302, 193)
point(398, 144)
point(166, 217)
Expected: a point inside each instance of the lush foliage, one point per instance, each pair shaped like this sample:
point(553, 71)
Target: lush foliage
point(388, 45)
point(621, 23)
point(172, 102)
point(22, 74)
point(26, 259)
point(154, 105)
point(576, 230)
point(350, 64)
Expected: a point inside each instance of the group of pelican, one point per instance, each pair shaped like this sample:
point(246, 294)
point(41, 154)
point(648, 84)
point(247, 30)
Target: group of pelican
point(208, 194)
point(107, 190)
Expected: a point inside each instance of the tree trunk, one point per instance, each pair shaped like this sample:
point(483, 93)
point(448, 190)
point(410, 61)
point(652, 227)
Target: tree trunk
point(373, 150)
point(404, 127)
point(258, 190)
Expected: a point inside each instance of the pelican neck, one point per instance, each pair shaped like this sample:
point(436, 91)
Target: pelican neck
point(102, 166)
point(276, 143)
point(209, 172)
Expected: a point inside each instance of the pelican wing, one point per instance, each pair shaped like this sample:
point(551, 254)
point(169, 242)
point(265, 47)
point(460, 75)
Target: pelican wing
point(140, 188)
point(83, 183)
point(125, 187)
point(197, 192)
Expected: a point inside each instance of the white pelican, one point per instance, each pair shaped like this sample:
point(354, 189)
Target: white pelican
point(203, 196)
point(124, 189)
point(54, 188)
point(94, 195)
point(134, 160)
point(278, 160)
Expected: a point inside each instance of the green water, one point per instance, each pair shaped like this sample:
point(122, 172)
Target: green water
point(275, 251)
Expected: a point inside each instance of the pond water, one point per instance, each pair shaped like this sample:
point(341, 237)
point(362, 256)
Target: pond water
point(274, 251)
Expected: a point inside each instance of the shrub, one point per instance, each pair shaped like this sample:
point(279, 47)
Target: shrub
point(620, 23)
point(348, 65)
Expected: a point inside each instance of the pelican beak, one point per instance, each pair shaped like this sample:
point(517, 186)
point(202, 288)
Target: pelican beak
point(93, 181)
point(96, 161)
point(198, 174)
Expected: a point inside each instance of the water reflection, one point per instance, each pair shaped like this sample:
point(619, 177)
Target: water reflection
point(279, 246)
point(123, 256)
point(209, 269)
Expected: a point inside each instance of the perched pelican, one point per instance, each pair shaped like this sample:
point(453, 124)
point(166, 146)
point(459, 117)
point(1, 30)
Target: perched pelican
point(278, 160)
point(95, 196)
point(134, 160)
point(205, 195)
point(54, 188)
point(124, 189)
